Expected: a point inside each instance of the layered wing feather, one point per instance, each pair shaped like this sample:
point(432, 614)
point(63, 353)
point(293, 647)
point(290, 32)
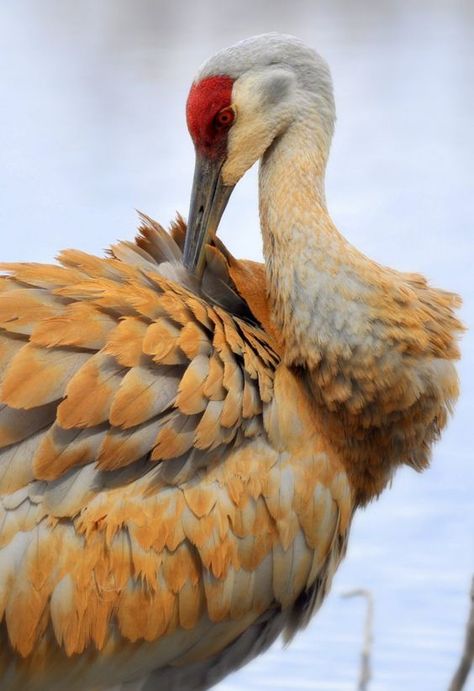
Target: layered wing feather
point(165, 494)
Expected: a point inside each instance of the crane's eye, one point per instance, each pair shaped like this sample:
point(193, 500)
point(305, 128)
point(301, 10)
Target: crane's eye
point(224, 118)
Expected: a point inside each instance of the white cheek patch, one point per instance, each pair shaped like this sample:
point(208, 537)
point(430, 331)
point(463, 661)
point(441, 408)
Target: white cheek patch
point(262, 103)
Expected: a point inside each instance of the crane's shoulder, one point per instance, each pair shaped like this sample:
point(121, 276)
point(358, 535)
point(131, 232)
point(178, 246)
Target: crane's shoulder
point(124, 356)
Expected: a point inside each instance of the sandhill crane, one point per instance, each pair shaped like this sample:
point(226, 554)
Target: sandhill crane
point(183, 446)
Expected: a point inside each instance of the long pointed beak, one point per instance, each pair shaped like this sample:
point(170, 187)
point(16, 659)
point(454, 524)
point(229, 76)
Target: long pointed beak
point(208, 200)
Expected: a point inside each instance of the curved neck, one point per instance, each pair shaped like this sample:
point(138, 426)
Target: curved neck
point(355, 329)
point(306, 257)
point(295, 163)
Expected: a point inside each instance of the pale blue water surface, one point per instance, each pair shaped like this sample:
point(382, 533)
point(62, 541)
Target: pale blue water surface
point(92, 127)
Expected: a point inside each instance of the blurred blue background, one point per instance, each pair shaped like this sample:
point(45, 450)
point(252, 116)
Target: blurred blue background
point(92, 126)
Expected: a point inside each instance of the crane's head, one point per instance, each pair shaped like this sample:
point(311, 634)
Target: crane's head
point(242, 100)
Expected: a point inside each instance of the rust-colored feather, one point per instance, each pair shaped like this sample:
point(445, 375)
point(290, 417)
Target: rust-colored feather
point(37, 376)
point(67, 329)
point(90, 392)
point(144, 393)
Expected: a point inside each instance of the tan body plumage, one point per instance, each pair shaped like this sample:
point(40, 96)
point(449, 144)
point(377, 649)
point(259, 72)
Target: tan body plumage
point(180, 459)
point(171, 490)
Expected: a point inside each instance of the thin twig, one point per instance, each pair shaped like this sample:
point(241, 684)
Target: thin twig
point(467, 657)
point(365, 659)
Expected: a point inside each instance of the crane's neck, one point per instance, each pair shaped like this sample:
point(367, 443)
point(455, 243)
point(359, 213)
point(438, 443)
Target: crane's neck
point(308, 263)
point(354, 329)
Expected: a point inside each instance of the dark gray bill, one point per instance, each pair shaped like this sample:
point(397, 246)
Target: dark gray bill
point(208, 200)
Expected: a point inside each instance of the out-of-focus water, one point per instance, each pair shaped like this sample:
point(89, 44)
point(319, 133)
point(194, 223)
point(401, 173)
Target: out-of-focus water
point(92, 127)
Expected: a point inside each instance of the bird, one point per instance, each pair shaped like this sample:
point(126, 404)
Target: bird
point(185, 436)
